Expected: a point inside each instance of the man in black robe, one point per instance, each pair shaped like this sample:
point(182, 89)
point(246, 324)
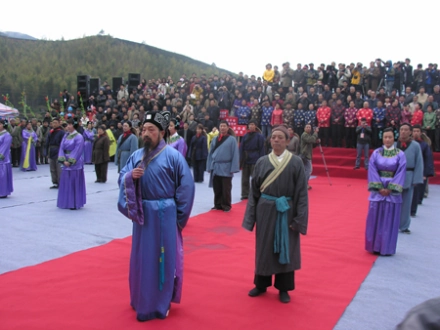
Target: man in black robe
point(278, 206)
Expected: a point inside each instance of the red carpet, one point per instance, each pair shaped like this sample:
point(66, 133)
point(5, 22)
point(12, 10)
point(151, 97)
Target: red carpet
point(340, 163)
point(89, 289)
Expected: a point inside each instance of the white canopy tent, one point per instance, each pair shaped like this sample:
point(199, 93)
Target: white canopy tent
point(7, 112)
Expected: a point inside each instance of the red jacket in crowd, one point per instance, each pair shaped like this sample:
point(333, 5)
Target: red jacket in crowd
point(323, 116)
point(366, 113)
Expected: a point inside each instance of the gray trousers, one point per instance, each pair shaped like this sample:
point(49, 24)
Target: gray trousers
point(55, 170)
point(405, 215)
point(308, 168)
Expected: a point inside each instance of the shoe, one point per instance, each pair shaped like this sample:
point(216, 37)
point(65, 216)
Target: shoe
point(406, 231)
point(356, 168)
point(97, 181)
point(284, 297)
point(413, 215)
point(255, 292)
point(309, 187)
point(243, 198)
point(227, 210)
point(217, 208)
point(55, 186)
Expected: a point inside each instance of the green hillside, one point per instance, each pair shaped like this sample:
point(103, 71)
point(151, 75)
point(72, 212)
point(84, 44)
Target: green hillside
point(42, 67)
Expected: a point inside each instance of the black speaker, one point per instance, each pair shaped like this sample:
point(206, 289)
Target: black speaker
point(117, 82)
point(83, 87)
point(134, 80)
point(95, 83)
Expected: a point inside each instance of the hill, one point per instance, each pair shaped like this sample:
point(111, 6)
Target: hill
point(17, 35)
point(42, 67)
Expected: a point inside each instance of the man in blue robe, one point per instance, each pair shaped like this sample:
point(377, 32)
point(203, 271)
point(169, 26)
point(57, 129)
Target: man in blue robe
point(222, 163)
point(157, 194)
point(414, 173)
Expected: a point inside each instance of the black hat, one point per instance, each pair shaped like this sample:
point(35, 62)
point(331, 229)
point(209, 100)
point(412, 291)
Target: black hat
point(253, 121)
point(160, 119)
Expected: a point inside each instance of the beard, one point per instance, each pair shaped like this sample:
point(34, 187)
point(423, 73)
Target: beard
point(149, 145)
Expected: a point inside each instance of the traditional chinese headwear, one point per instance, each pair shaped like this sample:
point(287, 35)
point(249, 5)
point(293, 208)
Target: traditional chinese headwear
point(281, 128)
point(160, 119)
point(4, 122)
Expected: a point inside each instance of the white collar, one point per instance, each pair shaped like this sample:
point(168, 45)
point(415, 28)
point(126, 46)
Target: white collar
point(174, 135)
point(280, 157)
point(390, 148)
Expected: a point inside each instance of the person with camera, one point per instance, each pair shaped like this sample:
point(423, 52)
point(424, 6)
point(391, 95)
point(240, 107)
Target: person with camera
point(363, 132)
point(308, 140)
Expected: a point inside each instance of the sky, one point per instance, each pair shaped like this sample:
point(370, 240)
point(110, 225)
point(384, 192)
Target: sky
point(244, 35)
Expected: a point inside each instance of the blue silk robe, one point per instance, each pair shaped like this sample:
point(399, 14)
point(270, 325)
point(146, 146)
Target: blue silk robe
point(165, 195)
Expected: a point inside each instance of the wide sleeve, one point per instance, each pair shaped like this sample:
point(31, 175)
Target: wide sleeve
point(185, 190)
point(77, 151)
point(374, 181)
point(129, 199)
point(418, 167)
point(133, 144)
point(117, 150)
point(301, 201)
point(396, 184)
point(5, 146)
point(235, 163)
point(250, 216)
point(182, 147)
point(61, 155)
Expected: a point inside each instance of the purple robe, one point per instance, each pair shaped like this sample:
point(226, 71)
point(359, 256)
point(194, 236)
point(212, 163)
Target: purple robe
point(178, 143)
point(89, 137)
point(387, 170)
point(72, 188)
point(6, 187)
point(159, 204)
point(32, 160)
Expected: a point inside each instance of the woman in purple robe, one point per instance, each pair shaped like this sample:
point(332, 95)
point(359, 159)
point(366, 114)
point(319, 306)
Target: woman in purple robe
point(386, 176)
point(89, 137)
point(72, 188)
point(6, 187)
point(30, 139)
point(175, 140)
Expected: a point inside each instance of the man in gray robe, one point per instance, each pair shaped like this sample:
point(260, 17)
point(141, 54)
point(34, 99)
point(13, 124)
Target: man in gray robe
point(278, 206)
point(414, 173)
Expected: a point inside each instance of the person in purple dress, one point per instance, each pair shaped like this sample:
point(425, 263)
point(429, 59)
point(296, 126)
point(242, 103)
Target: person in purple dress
point(72, 188)
point(175, 140)
point(89, 137)
point(28, 159)
point(386, 177)
point(6, 187)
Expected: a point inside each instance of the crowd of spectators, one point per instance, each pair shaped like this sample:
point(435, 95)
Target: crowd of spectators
point(331, 97)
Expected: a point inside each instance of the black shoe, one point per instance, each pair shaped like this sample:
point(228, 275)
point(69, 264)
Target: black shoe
point(216, 208)
point(97, 181)
point(227, 210)
point(356, 168)
point(55, 186)
point(255, 292)
point(243, 198)
point(284, 297)
point(406, 231)
point(413, 215)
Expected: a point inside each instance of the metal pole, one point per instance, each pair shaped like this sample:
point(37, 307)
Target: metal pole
point(325, 164)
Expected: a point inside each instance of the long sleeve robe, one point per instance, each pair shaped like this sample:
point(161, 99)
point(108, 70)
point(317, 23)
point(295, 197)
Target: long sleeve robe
point(6, 186)
point(166, 199)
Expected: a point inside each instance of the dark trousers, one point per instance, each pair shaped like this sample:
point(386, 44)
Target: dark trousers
point(337, 132)
point(350, 137)
point(375, 139)
point(101, 172)
point(16, 154)
point(431, 135)
point(222, 192)
point(55, 171)
point(419, 193)
point(299, 131)
point(246, 173)
point(283, 281)
point(324, 135)
point(198, 169)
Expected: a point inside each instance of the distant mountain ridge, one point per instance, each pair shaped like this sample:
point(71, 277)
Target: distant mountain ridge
point(43, 67)
point(16, 35)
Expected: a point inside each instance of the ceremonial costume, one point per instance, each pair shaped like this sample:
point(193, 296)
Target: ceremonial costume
point(6, 186)
point(127, 145)
point(387, 171)
point(178, 143)
point(28, 158)
point(72, 186)
point(89, 137)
